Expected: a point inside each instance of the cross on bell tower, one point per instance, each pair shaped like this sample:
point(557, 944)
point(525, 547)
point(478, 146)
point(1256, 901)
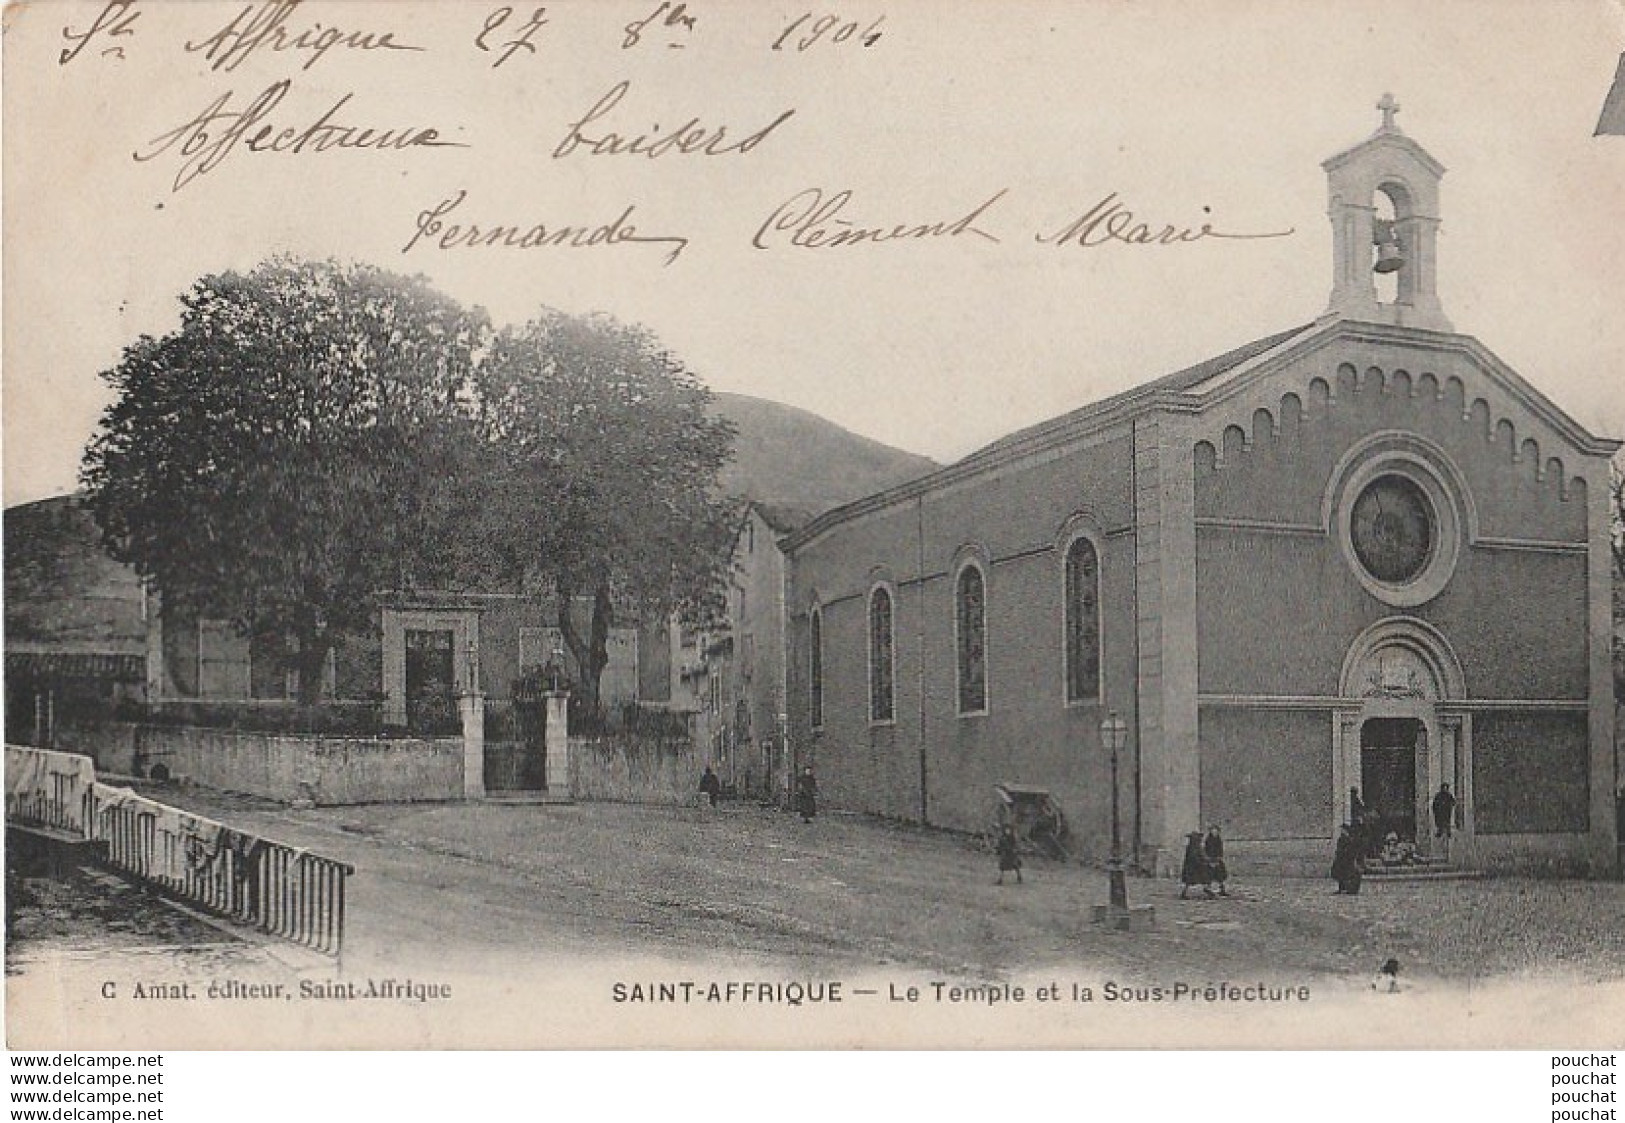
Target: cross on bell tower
point(1389, 107)
point(1391, 167)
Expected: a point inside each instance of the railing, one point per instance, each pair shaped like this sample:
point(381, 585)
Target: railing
point(49, 789)
point(275, 888)
point(270, 886)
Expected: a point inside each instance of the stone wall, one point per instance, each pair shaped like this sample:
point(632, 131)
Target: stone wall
point(622, 768)
point(111, 744)
point(326, 770)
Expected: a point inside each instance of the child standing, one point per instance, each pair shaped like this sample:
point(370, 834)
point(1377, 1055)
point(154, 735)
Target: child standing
point(1009, 855)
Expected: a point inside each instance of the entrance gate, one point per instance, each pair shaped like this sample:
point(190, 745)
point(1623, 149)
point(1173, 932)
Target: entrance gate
point(520, 764)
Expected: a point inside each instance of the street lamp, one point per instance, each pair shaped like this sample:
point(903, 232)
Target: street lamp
point(1114, 734)
point(1116, 913)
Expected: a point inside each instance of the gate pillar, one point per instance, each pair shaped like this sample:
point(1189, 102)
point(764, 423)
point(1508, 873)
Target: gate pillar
point(472, 707)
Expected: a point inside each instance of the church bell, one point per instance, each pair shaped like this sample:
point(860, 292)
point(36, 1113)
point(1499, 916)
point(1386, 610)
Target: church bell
point(1389, 257)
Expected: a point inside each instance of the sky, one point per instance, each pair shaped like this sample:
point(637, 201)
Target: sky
point(1033, 112)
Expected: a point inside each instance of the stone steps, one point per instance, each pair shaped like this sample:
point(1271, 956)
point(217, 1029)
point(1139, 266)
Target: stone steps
point(528, 799)
point(1427, 871)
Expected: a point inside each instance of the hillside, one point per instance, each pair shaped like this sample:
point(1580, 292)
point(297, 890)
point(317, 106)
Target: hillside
point(61, 590)
point(790, 457)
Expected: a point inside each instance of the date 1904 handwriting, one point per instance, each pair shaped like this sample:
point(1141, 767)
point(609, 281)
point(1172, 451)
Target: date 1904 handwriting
point(829, 28)
point(213, 133)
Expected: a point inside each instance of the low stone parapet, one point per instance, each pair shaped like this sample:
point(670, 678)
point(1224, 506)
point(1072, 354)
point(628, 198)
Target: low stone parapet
point(292, 768)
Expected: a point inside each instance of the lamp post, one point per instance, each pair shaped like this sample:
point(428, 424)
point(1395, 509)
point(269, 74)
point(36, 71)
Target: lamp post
point(1114, 733)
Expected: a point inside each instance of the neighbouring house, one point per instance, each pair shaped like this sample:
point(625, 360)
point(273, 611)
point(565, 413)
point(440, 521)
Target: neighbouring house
point(731, 674)
point(753, 688)
point(75, 623)
point(429, 648)
point(1360, 553)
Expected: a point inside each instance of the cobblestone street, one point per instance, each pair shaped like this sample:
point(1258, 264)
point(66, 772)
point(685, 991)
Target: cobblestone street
point(489, 891)
point(856, 892)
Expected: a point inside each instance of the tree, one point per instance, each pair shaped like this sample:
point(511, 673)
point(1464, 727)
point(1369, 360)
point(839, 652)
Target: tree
point(277, 460)
point(610, 461)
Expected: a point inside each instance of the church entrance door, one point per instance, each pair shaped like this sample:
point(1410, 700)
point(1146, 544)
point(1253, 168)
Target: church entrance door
point(1388, 767)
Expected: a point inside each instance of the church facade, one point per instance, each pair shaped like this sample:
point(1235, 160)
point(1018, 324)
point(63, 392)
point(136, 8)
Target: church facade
point(1361, 553)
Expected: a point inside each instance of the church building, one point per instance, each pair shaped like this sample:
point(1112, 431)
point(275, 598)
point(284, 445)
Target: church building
point(1361, 553)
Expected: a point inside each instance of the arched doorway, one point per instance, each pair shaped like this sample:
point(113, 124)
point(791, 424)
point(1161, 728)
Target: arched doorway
point(1397, 737)
point(1393, 750)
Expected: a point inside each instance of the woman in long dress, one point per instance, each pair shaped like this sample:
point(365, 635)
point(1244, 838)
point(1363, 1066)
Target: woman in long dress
point(1193, 871)
point(807, 794)
point(1213, 852)
point(1346, 862)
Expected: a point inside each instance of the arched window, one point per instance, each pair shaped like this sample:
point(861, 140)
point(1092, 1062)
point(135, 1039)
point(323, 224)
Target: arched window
point(970, 611)
point(815, 666)
point(1082, 621)
point(881, 701)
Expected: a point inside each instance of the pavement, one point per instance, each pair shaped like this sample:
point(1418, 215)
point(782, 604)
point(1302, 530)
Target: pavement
point(497, 892)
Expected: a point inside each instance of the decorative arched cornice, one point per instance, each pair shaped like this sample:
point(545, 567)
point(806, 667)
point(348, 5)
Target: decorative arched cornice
point(1210, 397)
point(1414, 635)
point(971, 553)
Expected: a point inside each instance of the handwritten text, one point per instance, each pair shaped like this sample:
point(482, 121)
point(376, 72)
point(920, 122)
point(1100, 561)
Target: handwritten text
point(813, 220)
point(432, 231)
point(251, 29)
point(213, 133)
point(689, 138)
point(1110, 221)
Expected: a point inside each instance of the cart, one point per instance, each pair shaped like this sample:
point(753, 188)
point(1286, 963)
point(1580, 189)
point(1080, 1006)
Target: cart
point(1037, 819)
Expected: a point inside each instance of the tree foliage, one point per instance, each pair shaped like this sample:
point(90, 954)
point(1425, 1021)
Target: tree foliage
point(610, 462)
point(277, 460)
point(316, 435)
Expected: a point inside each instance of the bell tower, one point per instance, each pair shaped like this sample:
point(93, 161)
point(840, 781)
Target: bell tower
point(1384, 208)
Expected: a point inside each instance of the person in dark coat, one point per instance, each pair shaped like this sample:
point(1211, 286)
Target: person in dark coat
point(1444, 813)
point(1346, 861)
point(1370, 832)
point(710, 785)
point(1193, 871)
point(807, 794)
point(1009, 854)
point(1362, 821)
point(1213, 852)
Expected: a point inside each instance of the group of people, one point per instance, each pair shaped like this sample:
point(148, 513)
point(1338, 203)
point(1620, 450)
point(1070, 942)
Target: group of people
point(1362, 839)
point(1358, 840)
point(1204, 865)
point(806, 792)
